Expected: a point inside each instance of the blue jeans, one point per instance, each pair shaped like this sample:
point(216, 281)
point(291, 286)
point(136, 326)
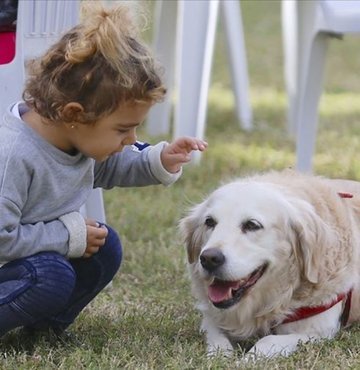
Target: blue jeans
point(48, 291)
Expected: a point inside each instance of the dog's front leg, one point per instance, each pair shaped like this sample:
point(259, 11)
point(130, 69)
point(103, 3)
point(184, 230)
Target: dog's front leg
point(217, 342)
point(323, 325)
point(275, 345)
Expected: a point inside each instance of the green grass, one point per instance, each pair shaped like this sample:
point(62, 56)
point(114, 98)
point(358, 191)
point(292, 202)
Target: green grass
point(147, 319)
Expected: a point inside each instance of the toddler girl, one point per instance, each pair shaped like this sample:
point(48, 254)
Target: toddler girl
point(75, 130)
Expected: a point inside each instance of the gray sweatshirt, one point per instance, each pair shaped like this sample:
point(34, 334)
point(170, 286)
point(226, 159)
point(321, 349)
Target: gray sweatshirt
point(42, 188)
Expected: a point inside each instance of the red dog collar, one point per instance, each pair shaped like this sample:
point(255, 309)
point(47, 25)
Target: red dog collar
point(306, 312)
point(345, 195)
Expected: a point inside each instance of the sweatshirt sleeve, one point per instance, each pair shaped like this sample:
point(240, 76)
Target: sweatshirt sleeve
point(19, 240)
point(136, 165)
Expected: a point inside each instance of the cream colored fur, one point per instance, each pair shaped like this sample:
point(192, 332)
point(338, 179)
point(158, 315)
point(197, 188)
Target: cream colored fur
point(311, 241)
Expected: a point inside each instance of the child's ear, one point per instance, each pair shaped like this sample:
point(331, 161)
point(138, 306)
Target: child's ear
point(72, 112)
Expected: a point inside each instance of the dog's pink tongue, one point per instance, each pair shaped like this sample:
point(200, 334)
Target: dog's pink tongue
point(221, 290)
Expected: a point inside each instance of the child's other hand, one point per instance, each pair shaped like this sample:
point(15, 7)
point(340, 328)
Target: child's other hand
point(95, 237)
point(178, 152)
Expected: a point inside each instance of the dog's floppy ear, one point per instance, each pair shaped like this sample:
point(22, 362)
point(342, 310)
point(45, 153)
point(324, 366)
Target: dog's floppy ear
point(312, 235)
point(192, 233)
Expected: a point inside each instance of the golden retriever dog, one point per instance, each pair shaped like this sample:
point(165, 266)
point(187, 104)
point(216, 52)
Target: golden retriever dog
point(275, 257)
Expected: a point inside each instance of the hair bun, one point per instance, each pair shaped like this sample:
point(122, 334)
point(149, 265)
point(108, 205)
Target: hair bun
point(105, 31)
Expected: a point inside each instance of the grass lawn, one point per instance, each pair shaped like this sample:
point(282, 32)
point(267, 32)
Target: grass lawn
point(147, 319)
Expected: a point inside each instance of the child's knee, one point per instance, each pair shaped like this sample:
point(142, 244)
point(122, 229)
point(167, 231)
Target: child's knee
point(113, 250)
point(55, 277)
point(40, 284)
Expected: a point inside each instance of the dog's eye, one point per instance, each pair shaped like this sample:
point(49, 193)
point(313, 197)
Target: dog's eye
point(251, 225)
point(210, 222)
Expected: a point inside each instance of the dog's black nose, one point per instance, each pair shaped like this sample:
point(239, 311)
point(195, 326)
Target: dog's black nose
point(211, 259)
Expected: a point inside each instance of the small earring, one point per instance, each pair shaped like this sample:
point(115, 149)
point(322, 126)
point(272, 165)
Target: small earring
point(72, 126)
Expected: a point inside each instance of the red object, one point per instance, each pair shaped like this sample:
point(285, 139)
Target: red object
point(345, 195)
point(306, 312)
point(7, 47)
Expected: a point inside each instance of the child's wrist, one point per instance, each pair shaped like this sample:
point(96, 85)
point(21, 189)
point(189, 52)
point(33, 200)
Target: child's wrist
point(75, 224)
point(160, 164)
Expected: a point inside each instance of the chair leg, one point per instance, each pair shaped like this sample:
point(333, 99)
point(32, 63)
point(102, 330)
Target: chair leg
point(158, 121)
point(94, 206)
point(237, 56)
point(290, 37)
point(196, 36)
point(308, 109)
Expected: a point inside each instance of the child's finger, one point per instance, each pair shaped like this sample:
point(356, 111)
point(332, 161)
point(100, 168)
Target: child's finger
point(104, 229)
point(92, 250)
point(197, 144)
point(202, 145)
point(99, 232)
point(180, 158)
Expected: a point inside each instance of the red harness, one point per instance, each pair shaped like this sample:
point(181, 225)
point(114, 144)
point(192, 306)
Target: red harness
point(305, 312)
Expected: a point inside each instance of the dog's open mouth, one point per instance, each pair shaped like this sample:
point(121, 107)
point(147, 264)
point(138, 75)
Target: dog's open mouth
point(224, 294)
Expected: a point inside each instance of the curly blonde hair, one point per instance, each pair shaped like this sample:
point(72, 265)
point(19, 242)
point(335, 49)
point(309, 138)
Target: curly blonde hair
point(100, 63)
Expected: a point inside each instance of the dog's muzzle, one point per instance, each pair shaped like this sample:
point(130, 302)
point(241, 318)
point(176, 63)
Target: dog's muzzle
point(226, 293)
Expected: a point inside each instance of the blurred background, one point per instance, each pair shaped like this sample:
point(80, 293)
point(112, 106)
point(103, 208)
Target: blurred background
point(269, 144)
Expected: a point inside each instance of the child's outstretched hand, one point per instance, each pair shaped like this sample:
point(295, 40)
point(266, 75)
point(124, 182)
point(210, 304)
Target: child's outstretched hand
point(178, 152)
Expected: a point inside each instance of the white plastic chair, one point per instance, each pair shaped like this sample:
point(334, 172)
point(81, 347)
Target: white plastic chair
point(184, 42)
point(307, 28)
point(45, 22)
point(94, 207)
point(39, 24)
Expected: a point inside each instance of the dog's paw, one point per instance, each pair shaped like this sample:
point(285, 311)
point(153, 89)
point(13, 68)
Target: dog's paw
point(273, 345)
